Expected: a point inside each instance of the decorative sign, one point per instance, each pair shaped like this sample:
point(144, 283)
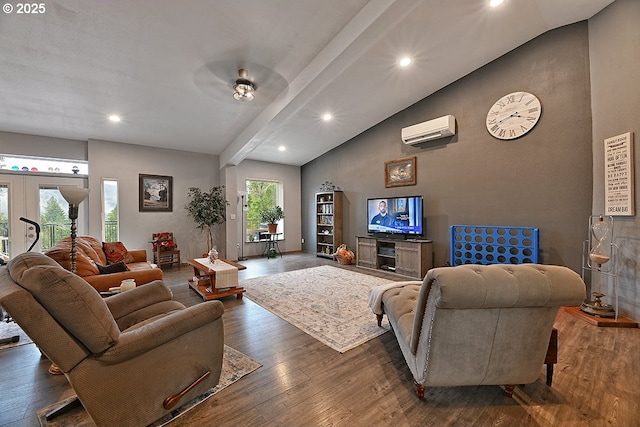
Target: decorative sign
point(618, 169)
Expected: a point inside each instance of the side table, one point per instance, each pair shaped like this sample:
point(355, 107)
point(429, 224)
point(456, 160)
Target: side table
point(271, 244)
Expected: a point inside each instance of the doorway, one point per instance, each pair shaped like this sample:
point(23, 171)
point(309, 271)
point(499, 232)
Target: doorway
point(35, 197)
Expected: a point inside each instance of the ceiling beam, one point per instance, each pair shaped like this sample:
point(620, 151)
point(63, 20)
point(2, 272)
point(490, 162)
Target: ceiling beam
point(373, 21)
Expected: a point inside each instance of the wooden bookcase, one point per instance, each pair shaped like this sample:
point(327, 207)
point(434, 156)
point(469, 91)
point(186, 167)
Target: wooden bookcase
point(328, 222)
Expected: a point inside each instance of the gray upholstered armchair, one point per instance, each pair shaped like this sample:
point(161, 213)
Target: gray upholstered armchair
point(475, 324)
point(131, 357)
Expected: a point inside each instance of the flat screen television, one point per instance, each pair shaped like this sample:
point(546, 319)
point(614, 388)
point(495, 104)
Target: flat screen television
point(395, 215)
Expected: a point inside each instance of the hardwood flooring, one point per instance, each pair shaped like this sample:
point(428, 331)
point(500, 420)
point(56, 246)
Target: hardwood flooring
point(304, 383)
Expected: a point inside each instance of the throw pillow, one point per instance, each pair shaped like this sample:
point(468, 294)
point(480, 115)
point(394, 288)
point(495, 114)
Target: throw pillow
point(116, 252)
point(113, 268)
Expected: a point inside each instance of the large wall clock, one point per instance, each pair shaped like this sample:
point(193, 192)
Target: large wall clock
point(513, 115)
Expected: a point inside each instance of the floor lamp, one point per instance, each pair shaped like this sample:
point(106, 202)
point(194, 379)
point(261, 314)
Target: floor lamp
point(74, 196)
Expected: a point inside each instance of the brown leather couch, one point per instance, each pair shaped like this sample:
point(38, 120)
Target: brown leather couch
point(90, 254)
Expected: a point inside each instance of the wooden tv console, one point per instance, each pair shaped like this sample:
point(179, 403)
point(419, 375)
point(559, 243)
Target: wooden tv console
point(411, 258)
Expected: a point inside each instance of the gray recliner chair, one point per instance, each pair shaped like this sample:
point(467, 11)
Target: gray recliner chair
point(477, 324)
point(130, 358)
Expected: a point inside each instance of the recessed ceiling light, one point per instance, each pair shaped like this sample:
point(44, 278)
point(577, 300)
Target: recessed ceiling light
point(404, 62)
point(326, 117)
point(282, 148)
point(114, 118)
point(495, 3)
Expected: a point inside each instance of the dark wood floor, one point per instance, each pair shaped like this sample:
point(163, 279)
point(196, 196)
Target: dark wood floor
point(304, 383)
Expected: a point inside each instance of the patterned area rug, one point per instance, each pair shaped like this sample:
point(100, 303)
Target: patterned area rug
point(235, 365)
point(326, 302)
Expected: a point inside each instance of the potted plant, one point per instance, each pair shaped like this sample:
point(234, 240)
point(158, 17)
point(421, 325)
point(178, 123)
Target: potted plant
point(271, 217)
point(207, 209)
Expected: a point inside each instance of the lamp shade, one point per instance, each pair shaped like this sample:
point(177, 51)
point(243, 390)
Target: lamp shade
point(74, 195)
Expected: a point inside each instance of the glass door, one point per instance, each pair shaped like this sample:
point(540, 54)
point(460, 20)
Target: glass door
point(4, 222)
point(35, 198)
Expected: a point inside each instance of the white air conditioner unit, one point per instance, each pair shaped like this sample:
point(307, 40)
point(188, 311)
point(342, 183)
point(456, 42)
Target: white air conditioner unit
point(427, 131)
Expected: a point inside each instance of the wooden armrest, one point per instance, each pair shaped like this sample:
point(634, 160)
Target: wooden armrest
point(172, 400)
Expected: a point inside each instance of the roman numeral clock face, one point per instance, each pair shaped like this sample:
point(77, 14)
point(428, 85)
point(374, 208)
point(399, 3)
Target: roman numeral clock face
point(513, 115)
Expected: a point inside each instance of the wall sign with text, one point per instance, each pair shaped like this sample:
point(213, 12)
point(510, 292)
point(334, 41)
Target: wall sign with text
point(618, 170)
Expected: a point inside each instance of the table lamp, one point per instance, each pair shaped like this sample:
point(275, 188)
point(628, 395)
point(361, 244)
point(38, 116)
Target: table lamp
point(74, 196)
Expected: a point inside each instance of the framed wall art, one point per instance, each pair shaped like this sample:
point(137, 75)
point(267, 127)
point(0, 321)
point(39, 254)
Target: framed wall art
point(619, 180)
point(400, 172)
point(156, 193)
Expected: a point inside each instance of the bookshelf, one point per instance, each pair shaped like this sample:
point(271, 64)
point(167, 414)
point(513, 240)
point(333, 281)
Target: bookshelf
point(328, 222)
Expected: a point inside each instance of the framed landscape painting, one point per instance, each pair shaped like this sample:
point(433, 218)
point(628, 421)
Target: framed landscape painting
point(156, 193)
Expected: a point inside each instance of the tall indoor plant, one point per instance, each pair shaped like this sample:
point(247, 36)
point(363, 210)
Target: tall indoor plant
point(207, 209)
point(271, 217)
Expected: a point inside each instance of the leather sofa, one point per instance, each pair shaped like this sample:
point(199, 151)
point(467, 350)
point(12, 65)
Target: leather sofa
point(477, 324)
point(131, 358)
point(90, 254)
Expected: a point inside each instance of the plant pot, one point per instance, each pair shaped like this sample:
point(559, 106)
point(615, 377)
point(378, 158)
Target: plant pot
point(272, 228)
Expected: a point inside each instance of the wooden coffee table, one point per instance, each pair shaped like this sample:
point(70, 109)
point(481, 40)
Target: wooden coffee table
point(209, 291)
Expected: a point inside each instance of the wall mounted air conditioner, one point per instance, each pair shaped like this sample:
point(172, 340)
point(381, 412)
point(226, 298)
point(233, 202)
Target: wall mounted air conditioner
point(430, 130)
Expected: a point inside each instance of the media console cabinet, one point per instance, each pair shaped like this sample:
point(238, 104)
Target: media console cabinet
point(411, 258)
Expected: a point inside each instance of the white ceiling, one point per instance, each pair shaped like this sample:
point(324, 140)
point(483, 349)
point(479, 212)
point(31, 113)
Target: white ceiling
point(168, 66)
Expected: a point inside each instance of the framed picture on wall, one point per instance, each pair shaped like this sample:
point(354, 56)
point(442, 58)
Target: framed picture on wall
point(156, 193)
point(400, 172)
point(619, 185)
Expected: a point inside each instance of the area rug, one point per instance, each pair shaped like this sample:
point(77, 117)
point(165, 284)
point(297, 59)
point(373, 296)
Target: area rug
point(328, 303)
point(235, 365)
point(10, 330)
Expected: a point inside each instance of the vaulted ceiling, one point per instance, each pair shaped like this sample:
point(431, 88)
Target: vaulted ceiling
point(167, 68)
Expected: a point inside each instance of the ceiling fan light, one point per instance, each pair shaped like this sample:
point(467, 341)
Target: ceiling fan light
point(243, 90)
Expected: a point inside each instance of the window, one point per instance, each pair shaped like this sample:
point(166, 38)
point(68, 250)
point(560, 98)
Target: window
point(110, 225)
point(261, 195)
point(54, 216)
point(17, 163)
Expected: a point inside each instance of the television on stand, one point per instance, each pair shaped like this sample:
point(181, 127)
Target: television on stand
point(400, 217)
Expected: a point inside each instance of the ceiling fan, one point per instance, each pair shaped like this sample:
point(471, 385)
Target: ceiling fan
point(216, 79)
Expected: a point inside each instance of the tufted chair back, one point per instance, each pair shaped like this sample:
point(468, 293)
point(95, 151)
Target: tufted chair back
point(480, 324)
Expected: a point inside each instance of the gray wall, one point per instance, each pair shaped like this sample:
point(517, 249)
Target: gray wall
point(542, 180)
point(124, 162)
point(614, 38)
point(42, 146)
point(290, 178)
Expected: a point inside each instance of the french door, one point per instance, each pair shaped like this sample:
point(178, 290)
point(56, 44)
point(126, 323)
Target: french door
point(31, 196)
